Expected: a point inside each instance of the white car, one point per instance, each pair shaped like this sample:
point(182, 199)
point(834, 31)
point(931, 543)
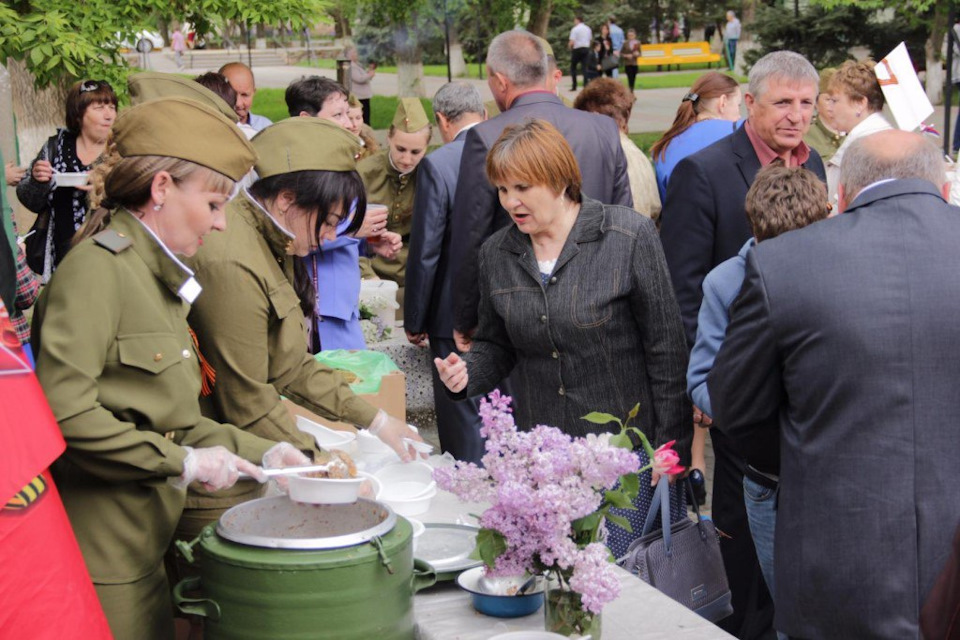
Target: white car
point(145, 42)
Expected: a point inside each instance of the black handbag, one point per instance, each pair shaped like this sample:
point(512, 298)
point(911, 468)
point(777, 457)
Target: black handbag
point(35, 197)
point(609, 62)
point(681, 560)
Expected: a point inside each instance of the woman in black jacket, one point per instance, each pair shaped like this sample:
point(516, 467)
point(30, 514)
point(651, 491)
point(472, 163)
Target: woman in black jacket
point(90, 112)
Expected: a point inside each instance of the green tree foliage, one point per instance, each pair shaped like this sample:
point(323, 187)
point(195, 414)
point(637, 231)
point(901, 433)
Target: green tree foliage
point(73, 38)
point(824, 35)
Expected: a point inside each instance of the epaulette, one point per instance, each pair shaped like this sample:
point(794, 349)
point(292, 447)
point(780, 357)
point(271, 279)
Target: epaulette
point(112, 240)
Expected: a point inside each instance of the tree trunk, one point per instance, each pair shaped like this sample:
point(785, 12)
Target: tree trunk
point(458, 67)
point(934, 49)
point(341, 24)
point(409, 61)
point(38, 111)
point(539, 20)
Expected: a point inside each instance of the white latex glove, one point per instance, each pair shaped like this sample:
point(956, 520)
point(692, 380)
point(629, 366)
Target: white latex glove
point(282, 455)
point(391, 432)
point(214, 468)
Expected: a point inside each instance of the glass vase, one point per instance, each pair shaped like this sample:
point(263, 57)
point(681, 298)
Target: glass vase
point(564, 613)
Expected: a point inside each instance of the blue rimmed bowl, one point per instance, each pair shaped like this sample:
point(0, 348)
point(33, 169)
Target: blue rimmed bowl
point(499, 606)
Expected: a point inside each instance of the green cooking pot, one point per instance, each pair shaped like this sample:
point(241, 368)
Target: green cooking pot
point(357, 592)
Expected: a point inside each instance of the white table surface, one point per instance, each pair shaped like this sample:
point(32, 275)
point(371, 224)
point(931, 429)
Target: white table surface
point(444, 612)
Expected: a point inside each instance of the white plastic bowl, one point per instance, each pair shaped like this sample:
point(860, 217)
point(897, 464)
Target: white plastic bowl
point(409, 506)
point(327, 438)
point(418, 529)
point(71, 179)
point(406, 481)
point(325, 490)
point(371, 445)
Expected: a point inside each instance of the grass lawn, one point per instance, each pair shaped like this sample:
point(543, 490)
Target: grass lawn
point(645, 79)
point(270, 103)
point(646, 140)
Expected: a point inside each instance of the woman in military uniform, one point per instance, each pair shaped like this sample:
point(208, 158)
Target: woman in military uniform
point(250, 323)
point(118, 365)
point(390, 176)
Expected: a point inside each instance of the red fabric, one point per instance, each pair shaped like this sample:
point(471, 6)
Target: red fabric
point(44, 585)
point(799, 155)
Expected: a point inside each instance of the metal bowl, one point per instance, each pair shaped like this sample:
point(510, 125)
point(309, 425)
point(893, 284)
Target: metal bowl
point(280, 523)
point(498, 606)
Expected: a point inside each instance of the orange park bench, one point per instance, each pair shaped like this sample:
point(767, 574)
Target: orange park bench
point(670, 53)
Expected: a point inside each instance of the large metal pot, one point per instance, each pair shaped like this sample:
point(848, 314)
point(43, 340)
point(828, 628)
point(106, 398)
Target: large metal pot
point(361, 586)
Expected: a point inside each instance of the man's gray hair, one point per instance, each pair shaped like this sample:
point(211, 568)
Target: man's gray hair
point(787, 65)
point(454, 99)
point(519, 56)
point(862, 165)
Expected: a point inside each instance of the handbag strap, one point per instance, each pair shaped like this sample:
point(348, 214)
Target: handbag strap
point(661, 498)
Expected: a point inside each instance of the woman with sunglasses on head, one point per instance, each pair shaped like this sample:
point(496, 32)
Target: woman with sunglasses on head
point(90, 112)
point(250, 321)
point(118, 364)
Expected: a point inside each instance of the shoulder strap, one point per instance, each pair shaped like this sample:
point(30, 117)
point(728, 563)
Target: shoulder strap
point(113, 241)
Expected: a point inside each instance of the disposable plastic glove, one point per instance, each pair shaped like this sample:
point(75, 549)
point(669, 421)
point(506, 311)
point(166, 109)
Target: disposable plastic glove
point(282, 455)
point(391, 432)
point(214, 468)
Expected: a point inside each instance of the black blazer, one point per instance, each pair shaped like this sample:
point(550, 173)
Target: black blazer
point(704, 221)
point(595, 140)
point(428, 301)
point(845, 333)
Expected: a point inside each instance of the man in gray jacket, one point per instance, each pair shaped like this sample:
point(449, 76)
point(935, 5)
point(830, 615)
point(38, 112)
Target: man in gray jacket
point(844, 335)
point(517, 76)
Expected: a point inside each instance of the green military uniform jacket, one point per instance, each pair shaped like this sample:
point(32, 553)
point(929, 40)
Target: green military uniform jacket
point(386, 186)
point(252, 330)
point(826, 142)
point(118, 366)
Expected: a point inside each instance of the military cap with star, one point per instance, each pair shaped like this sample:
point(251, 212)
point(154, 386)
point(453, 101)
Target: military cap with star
point(305, 144)
point(410, 116)
point(149, 85)
point(186, 129)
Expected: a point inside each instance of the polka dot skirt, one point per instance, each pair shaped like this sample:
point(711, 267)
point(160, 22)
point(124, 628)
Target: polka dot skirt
point(619, 539)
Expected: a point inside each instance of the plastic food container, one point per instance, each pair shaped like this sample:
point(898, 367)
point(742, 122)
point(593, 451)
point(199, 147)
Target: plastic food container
point(409, 506)
point(403, 481)
point(71, 179)
point(327, 438)
point(505, 606)
point(418, 529)
point(324, 490)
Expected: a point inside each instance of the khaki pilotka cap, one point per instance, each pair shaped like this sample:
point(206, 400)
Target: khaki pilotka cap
point(149, 85)
point(185, 129)
point(305, 144)
point(410, 116)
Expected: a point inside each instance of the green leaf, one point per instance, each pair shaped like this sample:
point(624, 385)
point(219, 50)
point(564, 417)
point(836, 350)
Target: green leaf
point(621, 440)
point(36, 56)
point(601, 418)
point(630, 485)
point(491, 545)
point(587, 523)
point(647, 447)
point(620, 521)
point(633, 412)
point(617, 499)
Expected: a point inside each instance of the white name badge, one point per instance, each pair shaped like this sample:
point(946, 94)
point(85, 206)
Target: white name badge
point(190, 290)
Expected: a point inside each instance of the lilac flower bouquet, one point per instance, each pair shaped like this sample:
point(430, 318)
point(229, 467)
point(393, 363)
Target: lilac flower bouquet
point(549, 494)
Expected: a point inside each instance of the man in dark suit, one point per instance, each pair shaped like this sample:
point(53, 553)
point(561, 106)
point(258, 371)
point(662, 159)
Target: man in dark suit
point(428, 307)
point(517, 76)
point(704, 223)
point(845, 331)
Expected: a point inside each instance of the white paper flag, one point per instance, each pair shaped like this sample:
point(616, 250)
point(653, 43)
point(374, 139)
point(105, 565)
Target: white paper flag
point(902, 89)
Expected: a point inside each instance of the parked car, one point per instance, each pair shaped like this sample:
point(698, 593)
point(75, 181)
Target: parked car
point(144, 42)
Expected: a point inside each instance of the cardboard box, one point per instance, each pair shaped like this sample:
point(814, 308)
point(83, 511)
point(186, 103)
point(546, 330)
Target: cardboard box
point(392, 398)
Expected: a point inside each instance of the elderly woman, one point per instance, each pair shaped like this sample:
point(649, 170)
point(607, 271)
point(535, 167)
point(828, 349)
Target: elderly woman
point(855, 105)
point(118, 364)
point(611, 98)
point(576, 302)
point(90, 111)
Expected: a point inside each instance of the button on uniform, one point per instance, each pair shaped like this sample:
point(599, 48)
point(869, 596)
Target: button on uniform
point(186, 353)
point(562, 391)
point(543, 318)
point(157, 357)
point(555, 355)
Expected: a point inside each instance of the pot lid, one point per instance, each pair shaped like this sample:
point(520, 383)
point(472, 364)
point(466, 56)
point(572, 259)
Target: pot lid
point(281, 523)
